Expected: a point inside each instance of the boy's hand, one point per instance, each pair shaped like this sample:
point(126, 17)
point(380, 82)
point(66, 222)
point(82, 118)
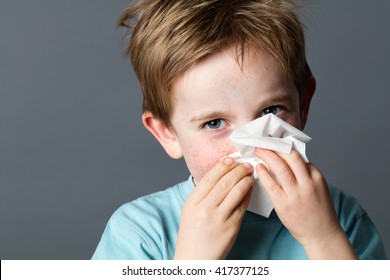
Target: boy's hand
point(212, 214)
point(302, 200)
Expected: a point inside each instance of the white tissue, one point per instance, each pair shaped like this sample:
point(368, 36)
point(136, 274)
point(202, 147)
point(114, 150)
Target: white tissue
point(268, 132)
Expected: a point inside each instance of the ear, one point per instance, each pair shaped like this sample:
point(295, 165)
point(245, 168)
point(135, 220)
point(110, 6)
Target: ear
point(309, 90)
point(163, 134)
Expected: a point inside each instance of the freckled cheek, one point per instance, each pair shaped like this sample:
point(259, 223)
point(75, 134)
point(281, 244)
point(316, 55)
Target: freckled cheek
point(203, 158)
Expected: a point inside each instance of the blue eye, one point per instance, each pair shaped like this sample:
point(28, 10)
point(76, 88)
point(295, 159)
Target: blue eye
point(214, 124)
point(271, 110)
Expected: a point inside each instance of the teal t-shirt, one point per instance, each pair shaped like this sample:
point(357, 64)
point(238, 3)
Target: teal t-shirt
point(147, 227)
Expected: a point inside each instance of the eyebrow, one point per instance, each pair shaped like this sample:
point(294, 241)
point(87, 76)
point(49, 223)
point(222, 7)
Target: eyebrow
point(208, 116)
point(279, 96)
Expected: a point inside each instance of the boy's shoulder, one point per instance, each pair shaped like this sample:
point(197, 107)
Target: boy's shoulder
point(145, 228)
point(162, 203)
point(358, 226)
point(345, 204)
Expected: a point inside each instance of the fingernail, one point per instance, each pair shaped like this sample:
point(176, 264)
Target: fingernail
point(228, 161)
point(257, 149)
point(247, 166)
point(260, 166)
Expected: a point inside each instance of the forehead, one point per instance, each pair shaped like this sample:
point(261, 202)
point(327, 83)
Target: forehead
point(230, 68)
point(233, 56)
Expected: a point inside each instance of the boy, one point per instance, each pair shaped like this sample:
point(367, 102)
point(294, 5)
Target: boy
point(206, 68)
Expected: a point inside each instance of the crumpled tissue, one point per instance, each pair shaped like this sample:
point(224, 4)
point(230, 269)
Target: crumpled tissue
point(268, 132)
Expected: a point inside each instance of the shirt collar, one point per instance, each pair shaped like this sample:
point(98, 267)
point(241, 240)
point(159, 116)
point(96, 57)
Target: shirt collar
point(186, 187)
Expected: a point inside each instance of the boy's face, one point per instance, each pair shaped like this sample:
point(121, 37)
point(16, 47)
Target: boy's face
point(215, 97)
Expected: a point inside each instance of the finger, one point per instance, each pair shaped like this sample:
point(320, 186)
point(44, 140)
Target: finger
point(274, 190)
point(297, 165)
point(238, 213)
point(210, 179)
point(236, 196)
point(279, 168)
point(229, 181)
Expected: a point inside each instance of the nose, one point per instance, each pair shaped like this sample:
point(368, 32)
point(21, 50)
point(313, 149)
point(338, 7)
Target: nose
point(244, 120)
point(240, 122)
point(230, 148)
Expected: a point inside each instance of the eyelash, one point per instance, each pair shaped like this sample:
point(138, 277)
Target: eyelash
point(206, 124)
point(263, 113)
point(278, 110)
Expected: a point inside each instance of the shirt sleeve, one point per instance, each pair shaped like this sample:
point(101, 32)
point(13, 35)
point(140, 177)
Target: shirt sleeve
point(359, 227)
point(122, 242)
point(366, 240)
point(143, 229)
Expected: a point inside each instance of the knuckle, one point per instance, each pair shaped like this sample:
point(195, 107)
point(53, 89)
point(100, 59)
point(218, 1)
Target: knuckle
point(273, 186)
point(284, 170)
point(206, 180)
point(315, 173)
point(223, 184)
point(241, 170)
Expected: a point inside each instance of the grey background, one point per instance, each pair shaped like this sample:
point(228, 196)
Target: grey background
point(72, 146)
